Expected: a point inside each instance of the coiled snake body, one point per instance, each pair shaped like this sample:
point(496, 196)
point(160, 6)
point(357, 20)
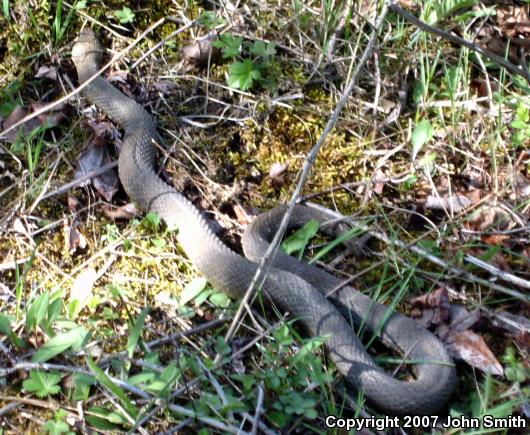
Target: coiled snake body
point(296, 287)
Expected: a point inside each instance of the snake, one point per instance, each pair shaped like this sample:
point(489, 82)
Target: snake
point(300, 289)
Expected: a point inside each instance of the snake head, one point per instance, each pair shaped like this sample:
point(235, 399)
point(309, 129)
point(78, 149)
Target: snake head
point(87, 51)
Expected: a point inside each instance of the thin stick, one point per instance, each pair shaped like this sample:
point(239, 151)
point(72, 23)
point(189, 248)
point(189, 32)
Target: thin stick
point(266, 261)
point(74, 183)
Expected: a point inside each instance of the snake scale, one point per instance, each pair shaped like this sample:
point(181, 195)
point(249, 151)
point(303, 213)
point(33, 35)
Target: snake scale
point(294, 286)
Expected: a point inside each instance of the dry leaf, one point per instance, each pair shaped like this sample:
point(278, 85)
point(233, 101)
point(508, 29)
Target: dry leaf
point(126, 212)
point(49, 72)
point(455, 203)
point(513, 20)
point(277, 173)
point(432, 308)
point(513, 323)
point(15, 116)
point(461, 318)
point(73, 203)
point(76, 240)
point(472, 348)
point(92, 158)
point(199, 52)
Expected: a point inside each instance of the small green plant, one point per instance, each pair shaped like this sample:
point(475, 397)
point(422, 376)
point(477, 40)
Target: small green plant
point(126, 15)
point(157, 381)
point(515, 370)
point(297, 242)
point(199, 291)
point(151, 221)
point(423, 133)
point(210, 20)
point(252, 61)
point(57, 426)
point(5, 8)
point(42, 384)
point(287, 376)
point(521, 125)
point(59, 27)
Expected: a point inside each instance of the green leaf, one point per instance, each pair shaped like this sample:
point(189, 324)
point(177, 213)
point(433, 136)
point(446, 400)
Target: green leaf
point(72, 339)
point(104, 380)
point(422, 134)
point(230, 45)
point(5, 328)
point(243, 74)
point(56, 427)
point(42, 384)
point(5, 8)
point(101, 424)
point(220, 300)
point(81, 292)
point(308, 348)
point(151, 221)
point(192, 290)
point(107, 414)
point(132, 341)
point(260, 48)
point(126, 15)
point(37, 311)
point(299, 240)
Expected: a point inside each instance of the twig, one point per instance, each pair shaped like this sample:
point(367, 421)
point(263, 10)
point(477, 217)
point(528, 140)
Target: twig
point(10, 407)
point(505, 276)
point(74, 183)
point(460, 41)
point(266, 261)
point(259, 409)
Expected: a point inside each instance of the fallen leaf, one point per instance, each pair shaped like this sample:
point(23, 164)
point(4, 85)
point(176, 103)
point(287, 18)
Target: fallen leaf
point(455, 203)
point(513, 323)
point(276, 174)
point(125, 212)
point(76, 239)
point(432, 308)
point(49, 72)
point(15, 116)
point(499, 47)
point(513, 20)
point(461, 318)
point(73, 203)
point(198, 53)
point(472, 348)
point(92, 158)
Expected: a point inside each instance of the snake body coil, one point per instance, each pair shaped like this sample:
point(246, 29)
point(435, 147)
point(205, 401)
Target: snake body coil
point(296, 287)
